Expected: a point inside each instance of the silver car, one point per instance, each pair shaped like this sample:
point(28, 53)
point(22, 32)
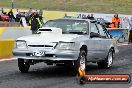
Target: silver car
point(70, 42)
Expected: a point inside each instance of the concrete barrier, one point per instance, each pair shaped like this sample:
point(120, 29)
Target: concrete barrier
point(14, 32)
point(9, 24)
point(8, 35)
point(6, 47)
point(1, 30)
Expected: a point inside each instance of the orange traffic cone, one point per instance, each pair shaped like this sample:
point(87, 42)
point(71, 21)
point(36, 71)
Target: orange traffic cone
point(81, 72)
point(81, 76)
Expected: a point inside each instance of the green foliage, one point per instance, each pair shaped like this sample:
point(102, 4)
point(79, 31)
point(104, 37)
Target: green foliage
point(100, 6)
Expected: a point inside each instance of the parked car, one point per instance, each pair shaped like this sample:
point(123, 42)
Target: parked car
point(71, 42)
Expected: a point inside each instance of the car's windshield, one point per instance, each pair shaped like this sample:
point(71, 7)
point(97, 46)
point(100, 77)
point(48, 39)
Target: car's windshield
point(69, 26)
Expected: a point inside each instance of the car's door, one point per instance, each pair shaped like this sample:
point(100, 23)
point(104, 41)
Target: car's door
point(105, 41)
point(94, 43)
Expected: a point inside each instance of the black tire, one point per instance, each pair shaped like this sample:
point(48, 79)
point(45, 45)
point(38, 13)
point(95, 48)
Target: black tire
point(82, 55)
point(23, 66)
point(107, 63)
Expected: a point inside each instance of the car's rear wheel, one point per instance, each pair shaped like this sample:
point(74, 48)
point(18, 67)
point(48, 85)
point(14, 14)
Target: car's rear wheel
point(81, 62)
point(23, 65)
point(107, 63)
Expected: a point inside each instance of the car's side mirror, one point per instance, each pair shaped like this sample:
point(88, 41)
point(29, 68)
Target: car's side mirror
point(92, 34)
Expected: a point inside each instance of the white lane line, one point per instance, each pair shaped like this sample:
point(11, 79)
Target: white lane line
point(7, 59)
point(122, 44)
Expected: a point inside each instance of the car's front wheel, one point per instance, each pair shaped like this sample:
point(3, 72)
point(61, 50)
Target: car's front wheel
point(23, 65)
point(107, 63)
point(81, 62)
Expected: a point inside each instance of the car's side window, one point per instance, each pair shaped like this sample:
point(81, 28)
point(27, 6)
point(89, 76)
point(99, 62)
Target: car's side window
point(94, 28)
point(101, 30)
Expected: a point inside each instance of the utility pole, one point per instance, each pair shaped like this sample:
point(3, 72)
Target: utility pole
point(12, 4)
point(65, 5)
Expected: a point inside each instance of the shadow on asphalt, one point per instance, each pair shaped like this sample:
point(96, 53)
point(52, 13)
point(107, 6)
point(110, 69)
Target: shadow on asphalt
point(61, 71)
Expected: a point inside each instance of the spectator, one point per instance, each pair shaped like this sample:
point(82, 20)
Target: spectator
point(111, 25)
point(0, 18)
point(130, 30)
point(40, 12)
point(16, 13)
point(5, 17)
point(65, 16)
point(88, 16)
point(116, 21)
point(35, 22)
point(29, 12)
point(23, 21)
point(92, 17)
point(41, 16)
point(37, 11)
point(28, 16)
point(2, 11)
point(18, 17)
point(11, 16)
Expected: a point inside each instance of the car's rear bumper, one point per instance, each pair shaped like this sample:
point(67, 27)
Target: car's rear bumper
point(55, 55)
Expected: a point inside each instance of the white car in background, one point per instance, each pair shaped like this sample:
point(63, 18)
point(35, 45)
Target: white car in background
point(71, 42)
